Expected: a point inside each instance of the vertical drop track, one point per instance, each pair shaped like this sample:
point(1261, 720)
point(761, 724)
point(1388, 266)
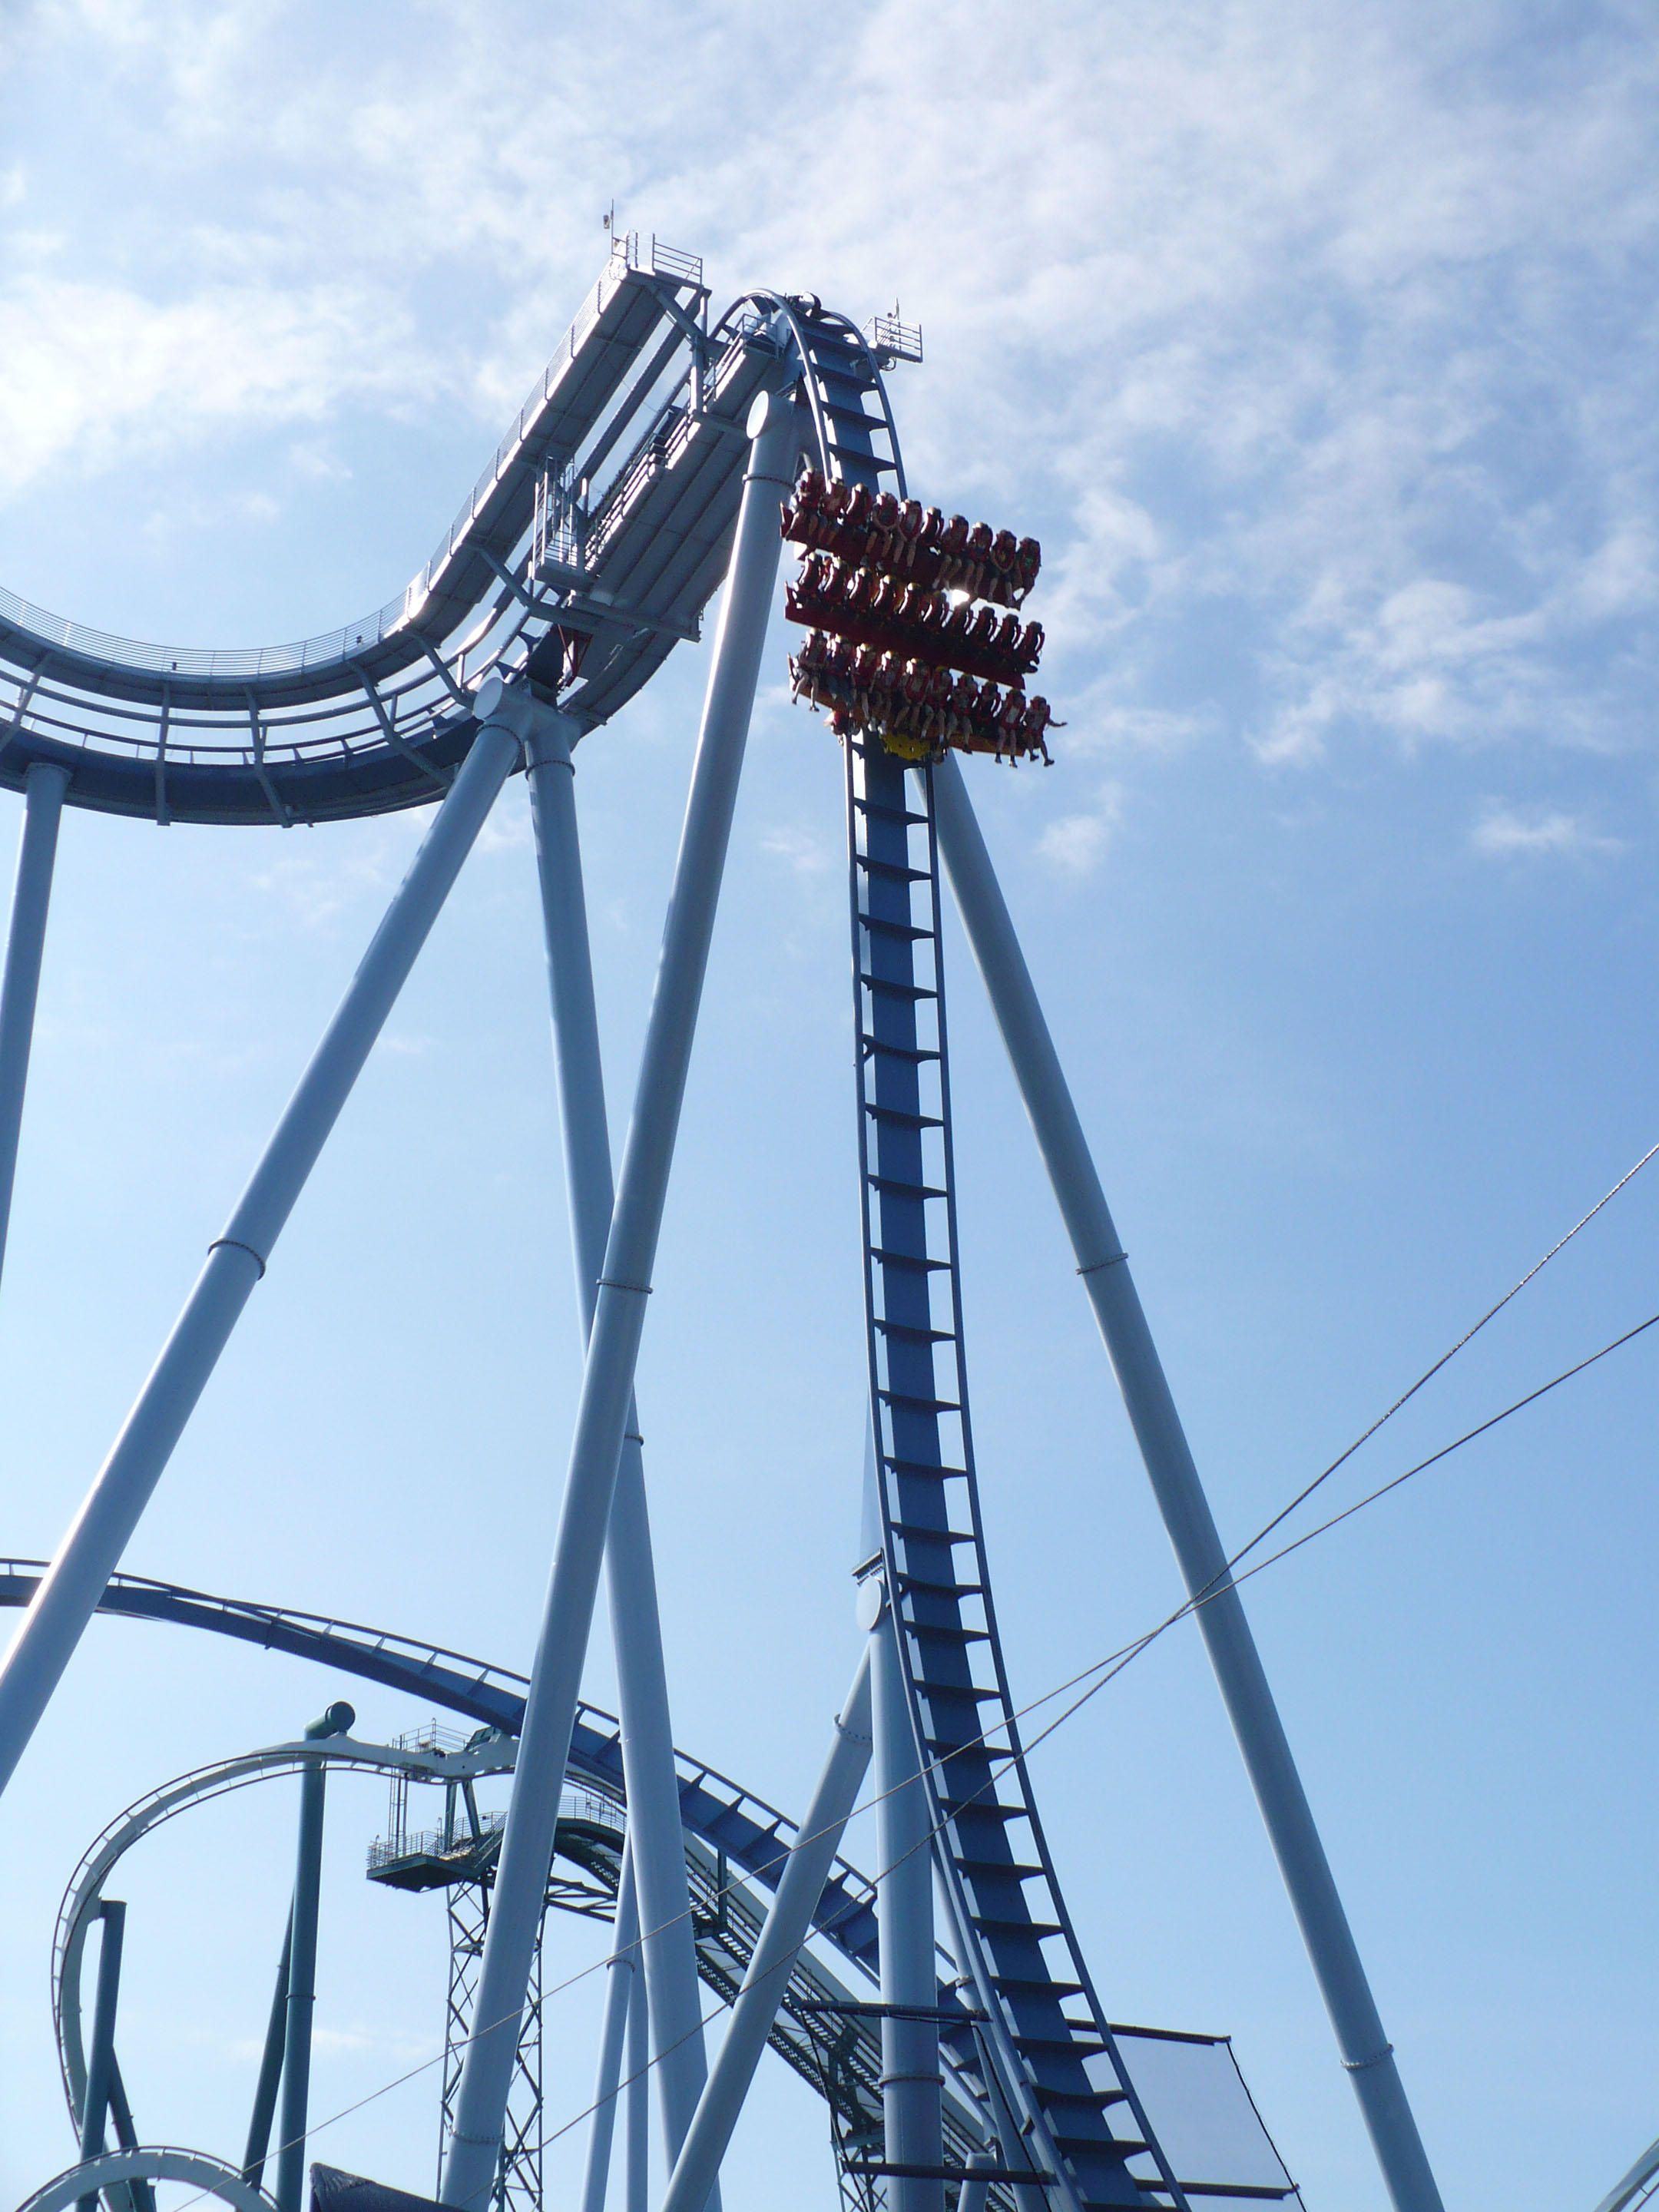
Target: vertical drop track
point(1044, 2046)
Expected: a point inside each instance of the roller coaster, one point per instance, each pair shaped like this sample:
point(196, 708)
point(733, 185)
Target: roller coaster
point(966, 2055)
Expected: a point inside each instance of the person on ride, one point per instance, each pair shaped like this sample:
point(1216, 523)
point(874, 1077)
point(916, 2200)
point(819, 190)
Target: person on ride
point(1005, 643)
point(1009, 719)
point(861, 587)
point(975, 558)
point(952, 538)
point(917, 678)
point(982, 627)
point(964, 706)
point(1004, 553)
point(911, 523)
point(1027, 561)
point(884, 529)
point(1030, 647)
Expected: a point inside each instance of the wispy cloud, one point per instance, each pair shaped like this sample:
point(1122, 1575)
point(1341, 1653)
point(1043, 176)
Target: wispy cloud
point(1076, 842)
point(1507, 833)
point(1315, 342)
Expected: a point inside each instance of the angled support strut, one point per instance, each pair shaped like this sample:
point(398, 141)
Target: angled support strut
point(69, 1590)
point(1367, 2054)
point(655, 1839)
point(45, 785)
point(619, 1314)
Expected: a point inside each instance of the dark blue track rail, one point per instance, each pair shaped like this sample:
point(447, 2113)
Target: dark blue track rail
point(754, 1836)
point(1049, 2037)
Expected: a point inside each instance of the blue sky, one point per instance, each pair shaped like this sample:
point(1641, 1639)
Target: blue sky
point(1315, 342)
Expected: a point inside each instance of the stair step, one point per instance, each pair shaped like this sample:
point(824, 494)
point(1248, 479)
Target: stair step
point(902, 1188)
point(999, 1870)
point(925, 1405)
point(914, 1054)
point(880, 927)
point(927, 1466)
point(837, 413)
point(902, 1117)
point(1056, 2046)
point(914, 1260)
point(1035, 1929)
point(911, 991)
point(893, 870)
point(886, 813)
point(1035, 1985)
point(947, 1633)
point(988, 1808)
point(925, 1530)
point(1096, 2100)
point(907, 1333)
point(963, 1693)
point(908, 1582)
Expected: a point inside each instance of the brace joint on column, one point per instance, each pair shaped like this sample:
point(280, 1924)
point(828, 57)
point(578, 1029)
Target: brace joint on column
point(235, 1245)
point(1359, 2065)
point(639, 1291)
point(633, 1437)
point(1112, 1260)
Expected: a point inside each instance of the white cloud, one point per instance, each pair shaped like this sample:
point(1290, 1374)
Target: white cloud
point(807, 854)
point(1076, 842)
point(1314, 341)
point(1505, 833)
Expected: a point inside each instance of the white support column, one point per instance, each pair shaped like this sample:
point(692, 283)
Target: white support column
point(622, 1971)
point(910, 2078)
point(782, 1933)
point(656, 1840)
point(619, 1314)
point(44, 787)
point(1367, 2054)
point(637, 2097)
point(71, 1588)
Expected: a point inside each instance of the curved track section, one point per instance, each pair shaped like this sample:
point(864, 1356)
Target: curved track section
point(587, 549)
point(836, 2049)
point(209, 2177)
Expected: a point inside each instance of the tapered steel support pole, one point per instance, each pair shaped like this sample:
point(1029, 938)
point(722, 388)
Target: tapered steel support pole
point(622, 1971)
point(271, 2068)
point(637, 2097)
point(782, 1933)
point(911, 2081)
point(619, 1313)
point(71, 1587)
point(1367, 2054)
point(303, 1969)
point(100, 2059)
point(44, 786)
point(655, 1834)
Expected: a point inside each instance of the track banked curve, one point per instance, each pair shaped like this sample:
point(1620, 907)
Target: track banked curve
point(588, 549)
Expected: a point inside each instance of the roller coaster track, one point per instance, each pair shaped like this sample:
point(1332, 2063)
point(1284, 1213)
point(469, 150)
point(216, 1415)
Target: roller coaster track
point(588, 549)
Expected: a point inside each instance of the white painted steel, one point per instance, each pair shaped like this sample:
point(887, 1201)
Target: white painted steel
point(71, 1588)
point(619, 1314)
point(621, 1971)
point(192, 2167)
point(43, 808)
point(782, 1933)
point(1625, 2190)
point(1367, 2055)
point(910, 2078)
point(636, 2177)
point(79, 1909)
point(656, 1841)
